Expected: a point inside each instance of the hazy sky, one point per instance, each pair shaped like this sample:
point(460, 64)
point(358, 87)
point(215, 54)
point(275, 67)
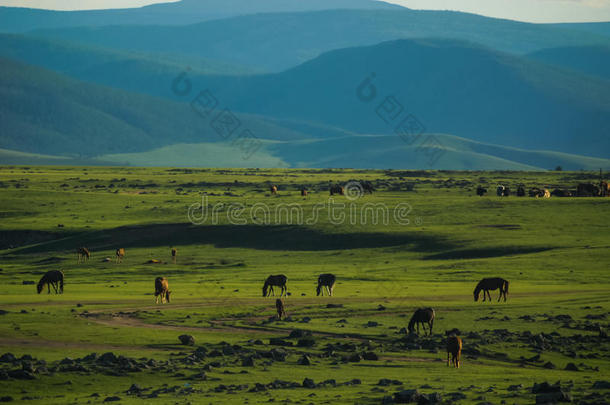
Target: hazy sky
point(524, 10)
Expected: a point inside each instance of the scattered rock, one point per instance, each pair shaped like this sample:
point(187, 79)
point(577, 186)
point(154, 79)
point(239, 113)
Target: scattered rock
point(112, 399)
point(279, 342)
point(306, 342)
point(572, 367)
point(406, 396)
point(7, 358)
point(247, 361)
point(601, 385)
point(354, 358)
point(308, 383)
point(370, 356)
point(334, 305)
point(299, 333)
point(304, 361)
point(187, 340)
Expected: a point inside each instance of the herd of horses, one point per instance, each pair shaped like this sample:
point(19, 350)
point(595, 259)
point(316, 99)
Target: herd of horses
point(582, 190)
point(326, 283)
point(334, 189)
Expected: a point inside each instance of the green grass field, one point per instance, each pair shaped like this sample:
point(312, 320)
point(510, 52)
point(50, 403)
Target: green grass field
point(439, 240)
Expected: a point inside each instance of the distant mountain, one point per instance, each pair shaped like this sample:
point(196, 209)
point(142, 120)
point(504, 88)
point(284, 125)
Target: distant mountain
point(598, 28)
point(275, 42)
point(592, 60)
point(15, 19)
point(43, 112)
point(451, 87)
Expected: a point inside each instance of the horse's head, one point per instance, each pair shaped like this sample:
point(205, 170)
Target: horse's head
point(476, 294)
point(265, 290)
point(319, 289)
point(39, 287)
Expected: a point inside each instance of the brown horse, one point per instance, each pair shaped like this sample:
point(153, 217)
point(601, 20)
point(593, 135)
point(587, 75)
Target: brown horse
point(281, 311)
point(162, 290)
point(454, 348)
point(83, 254)
point(174, 254)
point(273, 189)
point(53, 278)
point(326, 281)
point(303, 192)
point(488, 284)
point(422, 316)
point(120, 254)
point(275, 281)
point(337, 189)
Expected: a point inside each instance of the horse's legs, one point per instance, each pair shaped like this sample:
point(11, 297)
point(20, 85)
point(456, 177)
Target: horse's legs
point(430, 325)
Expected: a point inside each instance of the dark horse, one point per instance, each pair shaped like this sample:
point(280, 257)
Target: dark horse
point(326, 281)
point(53, 278)
point(275, 281)
point(491, 284)
point(423, 316)
point(281, 311)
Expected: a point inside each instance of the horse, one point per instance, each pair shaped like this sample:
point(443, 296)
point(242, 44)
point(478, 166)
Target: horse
point(561, 193)
point(303, 192)
point(367, 187)
point(545, 194)
point(279, 306)
point(491, 284)
point(83, 254)
point(604, 189)
point(481, 191)
point(273, 189)
point(53, 278)
point(162, 290)
point(454, 348)
point(587, 190)
point(174, 254)
point(422, 316)
point(500, 191)
point(326, 281)
point(120, 253)
point(277, 281)
point(337, 189)
point(520, 191)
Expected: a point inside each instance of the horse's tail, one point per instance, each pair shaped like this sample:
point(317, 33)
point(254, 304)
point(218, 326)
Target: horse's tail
point(61, 282)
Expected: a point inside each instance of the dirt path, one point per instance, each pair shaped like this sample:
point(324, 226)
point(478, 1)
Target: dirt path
point(25, 342)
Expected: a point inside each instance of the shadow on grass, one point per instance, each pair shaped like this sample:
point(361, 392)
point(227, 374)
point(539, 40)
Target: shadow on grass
point(483, 253)
point(273, 238)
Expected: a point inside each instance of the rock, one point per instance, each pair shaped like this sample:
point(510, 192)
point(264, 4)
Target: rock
point(385, 382)
point(549, 365)
point(334, 305)
point(370, 356)
point(387, 400)
point(306, 342)
point(304, 361)
point(28, 282)
point(403, 331)
point(456, 396)
point(247, 361)
point(112, 399)
point(380, 308)
point(6, 399)
point(553, 397)
point(21, 375)
point(571, 367)
point(354, 358)
point(278, 355)
point(299, 333)
point(7, 358)
point(107, 358)
point(279, 342)
point(308, 383)
point(545, 387)
point(601, 385)
point(187, 340)
point(134, 390)
point(372, 324)
point(517, 387)
point(198, 377)
point(406, 396)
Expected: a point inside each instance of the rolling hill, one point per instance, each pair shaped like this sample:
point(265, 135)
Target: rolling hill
point(17, 19)
point(278, 41)
point(591, 60)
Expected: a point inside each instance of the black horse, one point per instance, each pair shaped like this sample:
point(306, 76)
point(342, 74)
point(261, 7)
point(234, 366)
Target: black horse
point(488, 284)
point(422, 316)
point(53, 278)
point(326, 281)
point(275, 281)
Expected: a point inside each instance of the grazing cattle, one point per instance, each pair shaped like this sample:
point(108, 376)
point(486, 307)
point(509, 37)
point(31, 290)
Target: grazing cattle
point(337, 189)
point(53, 278)
point(488, 284)
point(275, 281)
point(561, 193)
point(174, 255)
point(303, 192)
point(587, 190)
point(454, 348)
point(120, 254)
point(521, 191)
point(422, 316)
point(326, 281)
point(162, 290)
point(500, 191)
point(273, 190)
point(367, 187)
point(279, 307)
point(83, 254)
point(481, 191)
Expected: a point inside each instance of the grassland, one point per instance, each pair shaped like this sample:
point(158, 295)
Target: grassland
point(554, 252)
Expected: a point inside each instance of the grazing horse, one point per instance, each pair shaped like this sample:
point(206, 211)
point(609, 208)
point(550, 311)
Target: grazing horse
point(500, 191)
point(604, 189)
point(281, 311)
point(422, 316)
point(120, 254)
point(53, 278)
point(162, 290)
point(326, 281)
point(337, 189)
point(174, 254)
point(481, 191)
point(367, 187)
point(303, 192)
point(587, 190)
point(520, 191)
point(273, 189)
point(454, 348)
point(488, 284)
point(561, 193)
point(83, 254)
point(275, 281)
